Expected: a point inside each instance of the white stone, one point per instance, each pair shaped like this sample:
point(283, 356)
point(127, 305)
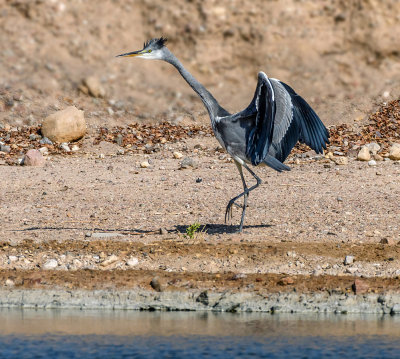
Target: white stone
point(372, 163)
point(51, 264)
point(144, 164)
point(348, 260)
point(10, 282)
point(12, 258)
point(178, 155)
point(75, 148)
point(132, 262)
point(44, 151)
point(64, 146)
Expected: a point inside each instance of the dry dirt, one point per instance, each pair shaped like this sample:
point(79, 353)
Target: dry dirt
point(95, 214)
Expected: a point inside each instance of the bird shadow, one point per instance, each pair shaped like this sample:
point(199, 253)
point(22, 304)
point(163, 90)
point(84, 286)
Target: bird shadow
point(89, 229)
point(220, 228)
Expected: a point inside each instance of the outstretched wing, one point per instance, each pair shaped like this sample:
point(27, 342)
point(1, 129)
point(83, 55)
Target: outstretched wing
point(295, 121)
point(260, 136)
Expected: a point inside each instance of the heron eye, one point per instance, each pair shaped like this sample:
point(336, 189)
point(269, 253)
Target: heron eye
point(148, 50)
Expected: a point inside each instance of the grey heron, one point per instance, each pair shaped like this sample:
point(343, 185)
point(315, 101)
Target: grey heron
point(264, 133)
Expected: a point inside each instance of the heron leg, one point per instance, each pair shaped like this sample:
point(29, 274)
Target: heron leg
point(245, 193)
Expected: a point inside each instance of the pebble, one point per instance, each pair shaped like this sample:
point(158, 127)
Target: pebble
point(44, 151)
point(33, 158)
point(132, 262)
point(12, 258)
point(5, 148)
point(178, 155)
point(373, 148)
point(286, 281)
point(199, 180)
point(188, 162)
point(372, 163)
point(394, 152)
point(341, 161)
point(239, 276)
point(93, 86)
point(351, 270)
point(75, 148)
point(110, 260)
point(144, 164)
point(45, 141)
point(50, 264)
point(363, 154)
point(348, 260)
point(9, 282)
point(156, 285)
point(64, 146)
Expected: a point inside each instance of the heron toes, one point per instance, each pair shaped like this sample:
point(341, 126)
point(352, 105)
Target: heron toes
point(229, 209)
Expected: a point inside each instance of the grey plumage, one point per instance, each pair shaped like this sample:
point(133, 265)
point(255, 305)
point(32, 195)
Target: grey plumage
point(262, 134)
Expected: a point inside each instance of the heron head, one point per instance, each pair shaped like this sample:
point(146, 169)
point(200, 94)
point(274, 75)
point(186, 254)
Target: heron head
point(152, 49)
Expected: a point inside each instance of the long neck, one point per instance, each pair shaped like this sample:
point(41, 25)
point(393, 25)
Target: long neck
point(209, 101)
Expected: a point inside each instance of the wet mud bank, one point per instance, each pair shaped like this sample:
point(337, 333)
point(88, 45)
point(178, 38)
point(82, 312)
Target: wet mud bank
point(197, 300)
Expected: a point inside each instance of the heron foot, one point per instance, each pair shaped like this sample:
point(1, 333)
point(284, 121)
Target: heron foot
point(229, 208)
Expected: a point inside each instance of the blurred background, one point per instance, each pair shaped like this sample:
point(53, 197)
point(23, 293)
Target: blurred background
point(341, 55)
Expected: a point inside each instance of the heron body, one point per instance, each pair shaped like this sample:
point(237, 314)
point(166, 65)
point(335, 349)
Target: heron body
point(262, 134)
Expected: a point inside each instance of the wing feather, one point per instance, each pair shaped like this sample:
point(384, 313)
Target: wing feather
point(260, 136)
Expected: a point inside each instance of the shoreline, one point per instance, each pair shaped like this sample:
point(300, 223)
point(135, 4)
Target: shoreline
point(202, 300)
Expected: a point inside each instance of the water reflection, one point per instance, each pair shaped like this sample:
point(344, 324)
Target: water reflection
point(132, 323)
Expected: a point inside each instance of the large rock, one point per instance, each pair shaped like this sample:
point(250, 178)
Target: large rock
point(64, 126)
point(394, 152)
point(34, 158)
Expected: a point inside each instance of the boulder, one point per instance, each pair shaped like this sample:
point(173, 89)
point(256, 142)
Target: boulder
point(33, 158)
point(64, 126)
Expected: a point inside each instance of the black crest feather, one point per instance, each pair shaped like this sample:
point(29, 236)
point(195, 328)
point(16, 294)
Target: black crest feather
point(156, 43)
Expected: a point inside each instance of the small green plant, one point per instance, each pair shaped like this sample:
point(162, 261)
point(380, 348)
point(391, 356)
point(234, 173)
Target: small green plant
point(193, 230)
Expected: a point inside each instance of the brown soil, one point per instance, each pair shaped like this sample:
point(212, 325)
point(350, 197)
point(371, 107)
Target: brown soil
point(129, 279)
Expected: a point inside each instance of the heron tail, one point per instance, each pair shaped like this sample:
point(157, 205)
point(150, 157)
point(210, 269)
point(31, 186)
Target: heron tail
point(275, 164)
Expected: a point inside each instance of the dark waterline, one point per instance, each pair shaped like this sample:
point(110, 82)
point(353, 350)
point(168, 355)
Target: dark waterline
point(119, 334)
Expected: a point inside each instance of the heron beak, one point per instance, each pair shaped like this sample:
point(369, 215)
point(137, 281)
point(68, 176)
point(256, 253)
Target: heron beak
point(131, 54)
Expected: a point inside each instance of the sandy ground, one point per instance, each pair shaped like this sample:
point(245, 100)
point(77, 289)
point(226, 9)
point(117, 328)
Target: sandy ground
point(99, 217)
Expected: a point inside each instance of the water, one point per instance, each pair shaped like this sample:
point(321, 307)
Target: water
point(126, 334)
